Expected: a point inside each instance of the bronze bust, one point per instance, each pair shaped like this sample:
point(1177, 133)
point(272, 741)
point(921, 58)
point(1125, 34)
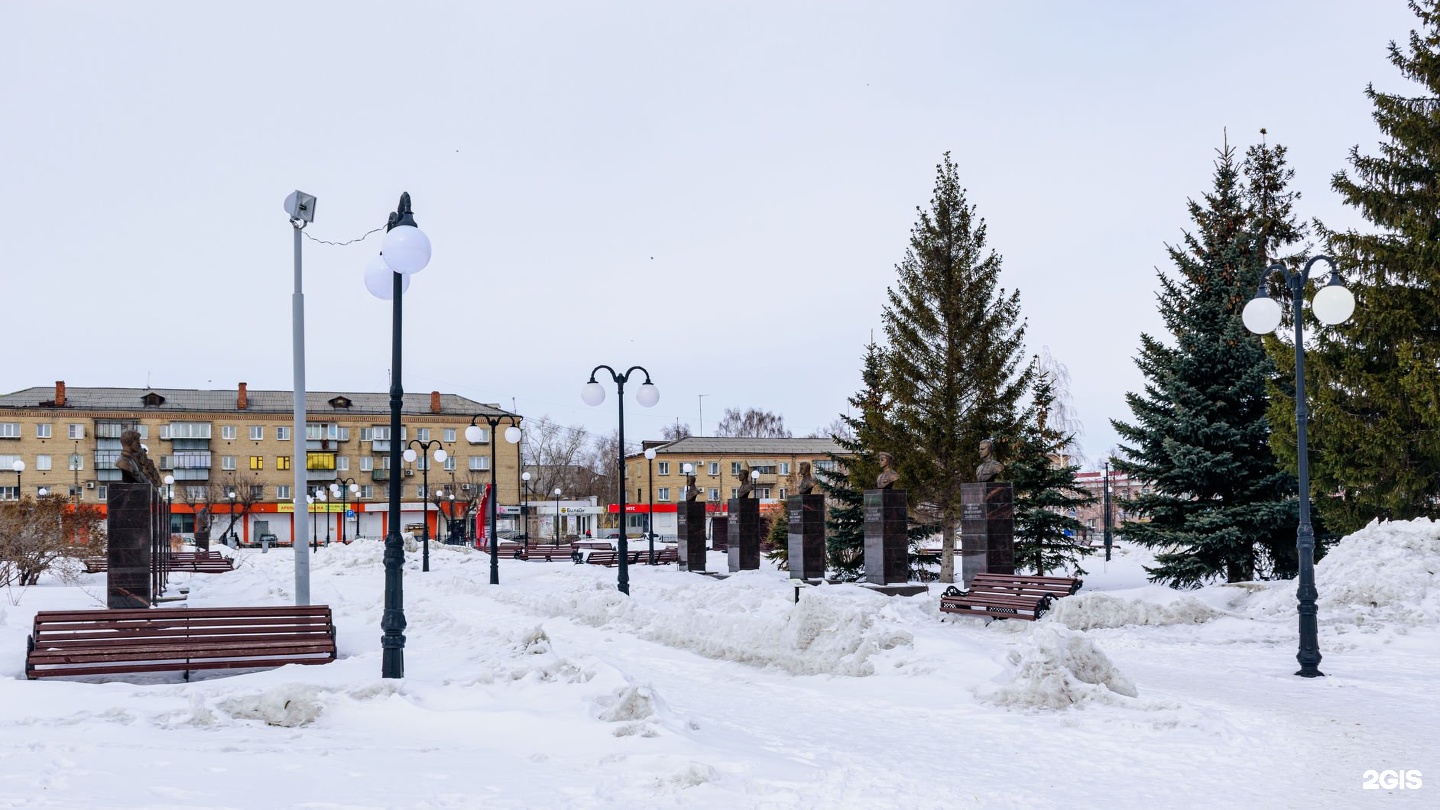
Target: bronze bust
point(692, 492)
point(807, 482)
point(989, 467)
point(888, 476)
point(134, 464)
point(747, 484)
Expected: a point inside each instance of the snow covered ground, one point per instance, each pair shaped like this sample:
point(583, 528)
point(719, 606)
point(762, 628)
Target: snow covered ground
point(553, 690)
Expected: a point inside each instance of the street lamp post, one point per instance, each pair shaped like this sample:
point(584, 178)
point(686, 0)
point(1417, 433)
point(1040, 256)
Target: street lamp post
point(343, 488)
point(405, 251)
point(593, 394)
point(441, 498)
point(311, 500)
point(1332, 305)
point(557, 516)
point(169, 500)
point(525, 509)
point(650, 491)
point(1109, 539)
point(18, 466)
point(411, 455)
point(474, 434)
point(231, 497)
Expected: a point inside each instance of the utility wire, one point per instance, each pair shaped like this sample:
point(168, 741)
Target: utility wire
point(347, 242)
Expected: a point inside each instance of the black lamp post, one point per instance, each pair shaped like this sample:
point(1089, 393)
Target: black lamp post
point(1332, 305)
point(343, 488)
point(310, 501)
point(231, 496)
point(441, 497)
point(405, 251)
point(525, 509)
point(594, 394)
point(557, 516)
point(1106, 512)
point(440, 456)
point(18, 466)
point(650, 491)
point(475, 435)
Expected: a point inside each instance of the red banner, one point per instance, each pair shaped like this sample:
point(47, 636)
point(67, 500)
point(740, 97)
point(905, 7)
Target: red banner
point(482, 541)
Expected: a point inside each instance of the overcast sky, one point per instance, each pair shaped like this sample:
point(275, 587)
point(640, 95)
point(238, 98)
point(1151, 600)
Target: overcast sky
point(718, 192)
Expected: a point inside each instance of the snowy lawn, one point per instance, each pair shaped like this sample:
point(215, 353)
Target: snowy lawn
point(553, 690)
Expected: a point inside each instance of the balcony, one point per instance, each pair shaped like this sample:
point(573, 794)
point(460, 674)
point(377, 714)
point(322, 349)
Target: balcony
point(380, 475)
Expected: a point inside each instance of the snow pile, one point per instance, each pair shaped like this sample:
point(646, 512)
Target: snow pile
point(1056, 668)
point(286, 705)
point(745, 619)
point(1101, 610)
point(1387, 573)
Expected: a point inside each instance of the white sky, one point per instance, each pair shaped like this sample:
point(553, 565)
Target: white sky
point(717, 192)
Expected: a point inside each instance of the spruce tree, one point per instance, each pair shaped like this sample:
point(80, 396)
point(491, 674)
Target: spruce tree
point(847, 476)
point(1199, 437)
point(953, 372)
point(1374, 381)
point(1047, 496)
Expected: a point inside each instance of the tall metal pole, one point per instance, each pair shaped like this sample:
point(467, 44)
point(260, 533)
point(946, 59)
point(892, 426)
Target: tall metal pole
point(1309, 652)
point(494, 496)
point(1106, 513)
point(650, 515)
point(425, 516)
point(392, 621)
point(624, 579)
point(302, 552)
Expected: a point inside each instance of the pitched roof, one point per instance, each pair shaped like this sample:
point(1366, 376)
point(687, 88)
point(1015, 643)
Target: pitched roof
point(224, 401)
point(737, 445)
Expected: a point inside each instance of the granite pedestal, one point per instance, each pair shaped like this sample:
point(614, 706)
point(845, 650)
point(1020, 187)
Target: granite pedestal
point(130, 537)
point(691, 516)
point(807, 536)
point(987, 524)
point(744, 541)
point(720, 533)
point(887, 540)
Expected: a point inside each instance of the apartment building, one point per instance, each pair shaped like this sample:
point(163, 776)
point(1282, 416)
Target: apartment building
point(1122, 487)
point(231, 452)
point(719, 462)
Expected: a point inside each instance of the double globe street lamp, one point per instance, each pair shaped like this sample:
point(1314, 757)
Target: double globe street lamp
point(404, 252)
point(476, 434)
point(344, 489)
point(593, 394)
point(410, 456)
point(1332, 305)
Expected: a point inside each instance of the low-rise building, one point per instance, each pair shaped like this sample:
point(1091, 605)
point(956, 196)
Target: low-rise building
point(718, 462)
point(215, 443)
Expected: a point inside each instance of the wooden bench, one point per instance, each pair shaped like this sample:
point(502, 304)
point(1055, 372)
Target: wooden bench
point(609, 558)
point(1008, 596)
point(103, 642)
point(547, 553)
point(665, 556)
point(193, 562)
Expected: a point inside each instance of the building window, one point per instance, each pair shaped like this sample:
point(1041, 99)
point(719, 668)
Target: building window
point(320, 461)
point(484, 436)
point(282, 462)
point(663, 493)
point(227, 463)
point(77, 431)
point(664, 467)
point(342, 463)
point(762, 492)
point(282, 434)
point(198, 493)
point(257, 433)
point(450, 463)
point(185, 430)
point(42, 430)
point(714, 468)
point(367, 463)
point(784, 469)
point(420, 492)
point(282, 492)
point(42, 463)
point(479, 462)
point(102, 493)
point(257, 492)
point(77, 461)
point(257, 462)
point(449, 434)
point(423, 434)
point(735, 468)
point(782, 493)
point(367, 490)
point(9, 493)
point(227, 432)
point(714, 494)
point(9, 430)
point(734, 492)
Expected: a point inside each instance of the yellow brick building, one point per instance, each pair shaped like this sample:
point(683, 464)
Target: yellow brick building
point(214, 443)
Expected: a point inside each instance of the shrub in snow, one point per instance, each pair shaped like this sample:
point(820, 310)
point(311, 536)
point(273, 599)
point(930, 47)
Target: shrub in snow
point(1056, 668)
point(1098, 610)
